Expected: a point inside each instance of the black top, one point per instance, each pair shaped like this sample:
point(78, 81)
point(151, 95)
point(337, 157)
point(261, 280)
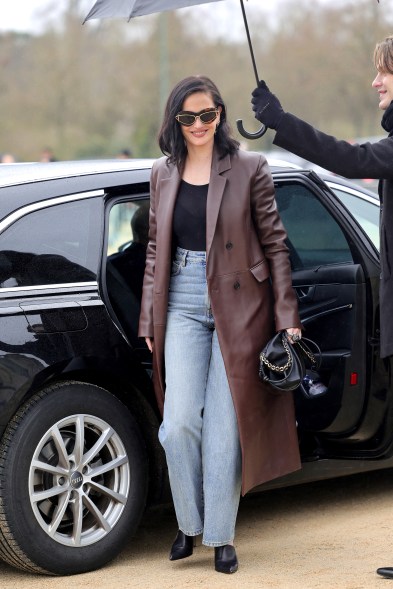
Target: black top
point(189, 217)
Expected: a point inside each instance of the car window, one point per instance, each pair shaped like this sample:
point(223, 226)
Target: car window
point(314, 237)
point(365, 212)
point(128, 235)
point(128, 223)
point(54, 245)
point(128, 231)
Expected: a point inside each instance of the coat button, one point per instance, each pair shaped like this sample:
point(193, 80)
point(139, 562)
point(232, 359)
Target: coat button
point(229, 245)
point(236, 286)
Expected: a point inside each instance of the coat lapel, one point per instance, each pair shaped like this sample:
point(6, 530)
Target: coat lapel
point(168, 192)
point(214, 196)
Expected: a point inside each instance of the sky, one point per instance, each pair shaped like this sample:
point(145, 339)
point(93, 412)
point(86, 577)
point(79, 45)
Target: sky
point(27, 15)
point(31, 15)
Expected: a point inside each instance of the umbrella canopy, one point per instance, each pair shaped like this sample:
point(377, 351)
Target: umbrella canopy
point(131, 8)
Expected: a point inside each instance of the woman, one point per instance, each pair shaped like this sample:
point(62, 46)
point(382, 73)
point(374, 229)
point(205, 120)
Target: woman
point(369, 160)
point(208, 307)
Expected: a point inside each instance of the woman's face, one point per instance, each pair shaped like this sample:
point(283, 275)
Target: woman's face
point(384, 86)
point(199, 134)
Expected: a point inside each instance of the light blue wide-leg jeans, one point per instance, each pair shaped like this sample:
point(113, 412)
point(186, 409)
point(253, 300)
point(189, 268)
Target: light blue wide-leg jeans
point(199, 432)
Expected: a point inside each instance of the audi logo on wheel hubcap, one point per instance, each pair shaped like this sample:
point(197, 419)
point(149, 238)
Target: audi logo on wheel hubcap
point(76, 480)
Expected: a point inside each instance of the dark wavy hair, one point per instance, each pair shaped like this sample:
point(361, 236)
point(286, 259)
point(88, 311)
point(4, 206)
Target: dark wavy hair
point(170, 137)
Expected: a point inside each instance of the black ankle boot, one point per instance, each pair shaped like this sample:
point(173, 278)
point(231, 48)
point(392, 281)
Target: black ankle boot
point(182, 547)
point(225, 559)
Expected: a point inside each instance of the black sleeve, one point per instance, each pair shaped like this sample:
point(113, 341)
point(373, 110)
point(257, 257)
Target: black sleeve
point(368, 160)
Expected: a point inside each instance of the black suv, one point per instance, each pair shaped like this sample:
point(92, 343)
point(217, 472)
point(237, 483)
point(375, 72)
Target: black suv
point(79, 456)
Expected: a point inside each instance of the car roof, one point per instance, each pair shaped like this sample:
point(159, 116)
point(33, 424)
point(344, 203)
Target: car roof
point(28, 183)
point(14, 174)
point(278, 164)
point(339, 181)
point(283, 167)
point(48, 180)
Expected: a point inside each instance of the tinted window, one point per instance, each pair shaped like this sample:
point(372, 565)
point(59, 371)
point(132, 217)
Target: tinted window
point(128, 223)
point(56, 245)
point(365, 212)
point(127, 241)
point(314, 237)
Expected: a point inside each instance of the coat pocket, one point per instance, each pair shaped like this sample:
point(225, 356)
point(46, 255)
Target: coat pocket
point(260, 271)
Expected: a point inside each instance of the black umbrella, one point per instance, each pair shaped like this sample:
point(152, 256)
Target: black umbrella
point(131, 8)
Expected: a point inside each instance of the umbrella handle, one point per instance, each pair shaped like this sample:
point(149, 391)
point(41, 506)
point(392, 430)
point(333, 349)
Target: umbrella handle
point(246, 134)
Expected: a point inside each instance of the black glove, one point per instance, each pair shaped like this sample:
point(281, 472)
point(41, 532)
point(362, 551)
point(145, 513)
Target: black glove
point(266, 106)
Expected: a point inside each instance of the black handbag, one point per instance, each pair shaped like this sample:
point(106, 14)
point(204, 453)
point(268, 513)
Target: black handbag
point(283, 365)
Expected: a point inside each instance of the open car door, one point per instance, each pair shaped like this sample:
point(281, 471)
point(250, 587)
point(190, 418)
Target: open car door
point(330, 273)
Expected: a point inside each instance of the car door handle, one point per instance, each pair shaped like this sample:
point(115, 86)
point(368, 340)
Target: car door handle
point(305, 294)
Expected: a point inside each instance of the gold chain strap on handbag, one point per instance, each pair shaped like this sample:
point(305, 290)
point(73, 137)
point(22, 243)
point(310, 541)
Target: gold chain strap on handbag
point(288, 364)
point(307, 352)
point(273, 367)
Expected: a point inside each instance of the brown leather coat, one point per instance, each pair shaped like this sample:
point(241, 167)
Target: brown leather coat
point(249, 282)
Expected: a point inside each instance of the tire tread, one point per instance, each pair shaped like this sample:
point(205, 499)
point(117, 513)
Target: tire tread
point(10, 549)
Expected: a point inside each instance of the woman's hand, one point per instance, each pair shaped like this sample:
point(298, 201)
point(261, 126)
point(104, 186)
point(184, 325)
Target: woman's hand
point(150, 343)
point(294, 334)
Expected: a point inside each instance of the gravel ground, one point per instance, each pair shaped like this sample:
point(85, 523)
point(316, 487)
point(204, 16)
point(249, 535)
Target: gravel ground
point(327, 535)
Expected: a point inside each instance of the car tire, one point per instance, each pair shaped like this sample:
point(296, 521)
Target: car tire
point(73, 480)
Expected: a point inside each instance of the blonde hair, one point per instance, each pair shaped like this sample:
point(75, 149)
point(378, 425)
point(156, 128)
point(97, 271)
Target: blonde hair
point(383, 55)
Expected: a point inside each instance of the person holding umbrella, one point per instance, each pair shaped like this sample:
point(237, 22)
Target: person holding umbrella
point(368, 160)
point(217, 283)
